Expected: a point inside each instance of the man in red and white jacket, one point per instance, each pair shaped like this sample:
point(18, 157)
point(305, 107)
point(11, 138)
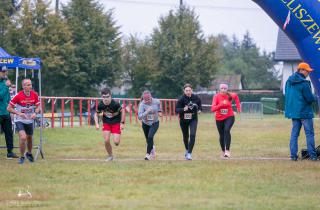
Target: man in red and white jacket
point(25, 105)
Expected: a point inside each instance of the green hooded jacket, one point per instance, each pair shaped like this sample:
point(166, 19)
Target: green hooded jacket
point(4, 97)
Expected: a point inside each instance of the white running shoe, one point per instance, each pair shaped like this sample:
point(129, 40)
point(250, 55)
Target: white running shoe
point(109, 158)
point(148, 157)
point(227, 154)
point(153, 152)
point(188, 157)
point(185, 154)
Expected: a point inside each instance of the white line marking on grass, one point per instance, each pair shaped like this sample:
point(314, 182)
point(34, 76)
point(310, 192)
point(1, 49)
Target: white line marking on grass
point(173, 159)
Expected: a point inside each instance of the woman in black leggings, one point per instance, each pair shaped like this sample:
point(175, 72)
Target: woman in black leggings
point(149, 112)
point(188, 107)
point(222, 106)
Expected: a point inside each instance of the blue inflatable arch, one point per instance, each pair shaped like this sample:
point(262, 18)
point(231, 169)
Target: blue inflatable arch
point(300, 20)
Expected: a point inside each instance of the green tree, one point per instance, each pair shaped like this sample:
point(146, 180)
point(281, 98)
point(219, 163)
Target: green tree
point(6, 11)
point(244, 57)
point(97, 46)
point(40, 33)
point(139, 64)
point(183, 53)
point(58, 58)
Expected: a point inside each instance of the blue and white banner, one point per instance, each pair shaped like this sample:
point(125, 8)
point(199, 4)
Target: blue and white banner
point(29, 63)
point(300, 20)
point(10, 62)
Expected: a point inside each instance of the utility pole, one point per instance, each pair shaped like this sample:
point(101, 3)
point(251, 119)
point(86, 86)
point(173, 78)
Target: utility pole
point(57, 7)
point(181, 3)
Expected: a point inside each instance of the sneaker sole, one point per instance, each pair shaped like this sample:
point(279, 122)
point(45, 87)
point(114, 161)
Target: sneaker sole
point(9, 158)
point(109, 160)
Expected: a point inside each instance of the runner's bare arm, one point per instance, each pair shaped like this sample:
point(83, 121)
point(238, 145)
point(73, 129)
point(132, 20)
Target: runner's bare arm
point(11, 109)
point(96, 120)
point(123, 118)
point(34, 115)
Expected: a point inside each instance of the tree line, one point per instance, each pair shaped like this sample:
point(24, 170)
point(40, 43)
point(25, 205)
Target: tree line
point(82, 49)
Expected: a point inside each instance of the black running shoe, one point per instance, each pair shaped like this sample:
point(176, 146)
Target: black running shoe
point(29, 157)
point(294, 158)
point(12, 155)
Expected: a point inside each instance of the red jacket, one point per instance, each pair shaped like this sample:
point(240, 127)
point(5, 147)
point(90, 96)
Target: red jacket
point(222, 106)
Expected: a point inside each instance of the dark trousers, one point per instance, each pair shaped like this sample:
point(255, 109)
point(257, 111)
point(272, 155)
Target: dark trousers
point(6, 126)
point(185, 125)
point(224, 128)
point(149, 132)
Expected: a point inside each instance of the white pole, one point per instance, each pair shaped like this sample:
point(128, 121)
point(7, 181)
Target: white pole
point(41, 120)
point(17, 76)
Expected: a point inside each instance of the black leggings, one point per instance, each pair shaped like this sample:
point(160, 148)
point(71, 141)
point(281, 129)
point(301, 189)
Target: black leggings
point(185, 132)
point(224, 127)
point(149, 132)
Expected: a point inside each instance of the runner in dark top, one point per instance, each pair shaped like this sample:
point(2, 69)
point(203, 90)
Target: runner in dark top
point(113, 118)
point(188, 107)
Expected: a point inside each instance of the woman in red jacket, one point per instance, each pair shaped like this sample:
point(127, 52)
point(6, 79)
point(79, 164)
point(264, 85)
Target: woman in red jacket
point(222, 106)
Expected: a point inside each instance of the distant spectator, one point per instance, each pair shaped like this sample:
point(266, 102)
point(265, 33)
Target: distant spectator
point(5, 119)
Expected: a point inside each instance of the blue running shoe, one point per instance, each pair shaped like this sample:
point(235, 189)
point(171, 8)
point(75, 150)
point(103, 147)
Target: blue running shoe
point(21, 160)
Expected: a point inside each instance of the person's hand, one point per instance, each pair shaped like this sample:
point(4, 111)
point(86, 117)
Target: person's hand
point(185, 108)
point(22, 115)
point(122, 126)
point(8, 83)
point(97, 127)
point(199, 112)
point(33, 116)
point(149, 109)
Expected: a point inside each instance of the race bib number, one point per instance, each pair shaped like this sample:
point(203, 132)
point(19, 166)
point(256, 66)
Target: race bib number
point(224, 111)
point(28, 112)
point(108, 115)
point(150, 117)
point(188, 116)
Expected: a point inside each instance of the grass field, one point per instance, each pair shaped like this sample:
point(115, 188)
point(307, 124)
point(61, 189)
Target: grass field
point(207, 182)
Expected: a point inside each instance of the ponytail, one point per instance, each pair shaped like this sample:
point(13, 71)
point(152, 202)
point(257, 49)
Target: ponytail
point(229, 96)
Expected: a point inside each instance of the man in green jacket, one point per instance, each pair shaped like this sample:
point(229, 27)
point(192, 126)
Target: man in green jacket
point(299, 99)
point(5, 119)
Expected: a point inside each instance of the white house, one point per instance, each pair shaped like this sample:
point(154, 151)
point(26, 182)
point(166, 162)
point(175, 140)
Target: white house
point(287, 53)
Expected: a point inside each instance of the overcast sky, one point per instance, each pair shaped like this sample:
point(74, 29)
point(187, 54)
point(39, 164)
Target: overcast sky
point(216, 16)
